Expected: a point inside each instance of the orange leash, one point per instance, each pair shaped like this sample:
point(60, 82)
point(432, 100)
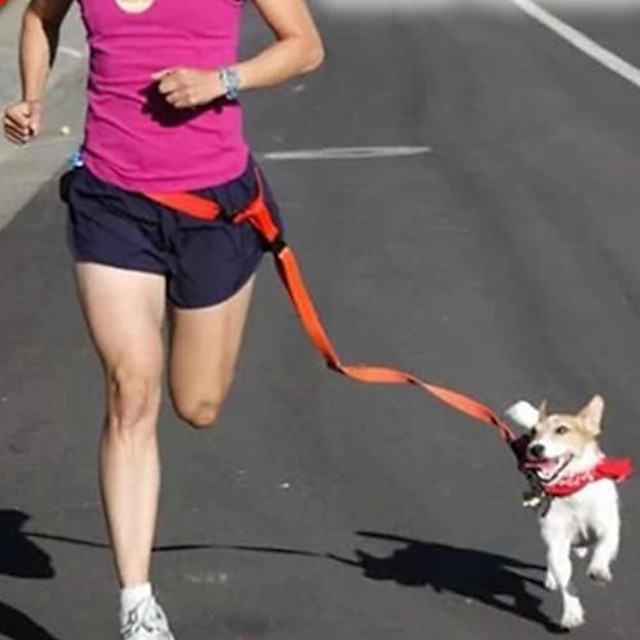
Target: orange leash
point(257, 214)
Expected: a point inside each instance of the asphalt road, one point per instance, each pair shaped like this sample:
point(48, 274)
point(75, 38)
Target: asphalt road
point(503, 262)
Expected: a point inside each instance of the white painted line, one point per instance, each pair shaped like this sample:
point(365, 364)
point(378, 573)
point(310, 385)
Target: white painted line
point(71, 52)
point(597, 6)
point(582, 42)
point(346, 153)
point(415, 7)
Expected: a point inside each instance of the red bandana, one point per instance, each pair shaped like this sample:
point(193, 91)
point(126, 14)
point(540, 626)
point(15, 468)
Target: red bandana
point(610, 468)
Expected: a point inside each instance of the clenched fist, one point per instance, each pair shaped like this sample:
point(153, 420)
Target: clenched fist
point(186, 88)
point(21, 122)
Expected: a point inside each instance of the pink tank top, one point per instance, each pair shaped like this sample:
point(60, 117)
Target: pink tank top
point(133, 139)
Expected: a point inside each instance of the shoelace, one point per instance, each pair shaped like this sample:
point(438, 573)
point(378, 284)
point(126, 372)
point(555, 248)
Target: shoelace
point(146, 616)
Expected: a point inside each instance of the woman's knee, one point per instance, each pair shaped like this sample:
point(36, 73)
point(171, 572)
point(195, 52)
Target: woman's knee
point(199, 413)
point(134, 395)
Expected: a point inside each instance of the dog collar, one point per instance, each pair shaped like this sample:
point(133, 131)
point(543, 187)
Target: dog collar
point(616, 469)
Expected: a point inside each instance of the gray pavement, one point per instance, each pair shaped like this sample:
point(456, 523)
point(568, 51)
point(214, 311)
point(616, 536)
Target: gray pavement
point(504, 263)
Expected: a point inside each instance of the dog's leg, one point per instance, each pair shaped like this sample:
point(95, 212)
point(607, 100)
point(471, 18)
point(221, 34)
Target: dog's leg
point(550, 582)
point(606, 527)
point(559, 562)
point(604, 553)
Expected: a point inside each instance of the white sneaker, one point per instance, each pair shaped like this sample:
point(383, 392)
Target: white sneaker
point(146, 622)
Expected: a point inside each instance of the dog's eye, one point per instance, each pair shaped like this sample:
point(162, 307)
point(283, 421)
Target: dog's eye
point(561, 430)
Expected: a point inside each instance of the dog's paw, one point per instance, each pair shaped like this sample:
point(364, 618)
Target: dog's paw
point(573, 617)
point(550, 582)
point(600, 574)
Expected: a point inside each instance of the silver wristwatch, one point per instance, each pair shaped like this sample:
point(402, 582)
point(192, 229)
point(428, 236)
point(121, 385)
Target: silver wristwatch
point(230, 82)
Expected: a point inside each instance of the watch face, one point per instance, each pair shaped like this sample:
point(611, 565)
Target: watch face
point(135, 6)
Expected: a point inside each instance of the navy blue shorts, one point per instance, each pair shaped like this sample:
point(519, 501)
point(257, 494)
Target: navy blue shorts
point(204, 262)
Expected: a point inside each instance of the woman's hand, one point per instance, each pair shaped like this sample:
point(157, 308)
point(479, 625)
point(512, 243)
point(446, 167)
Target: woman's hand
point(189, 88)
point(21, 122)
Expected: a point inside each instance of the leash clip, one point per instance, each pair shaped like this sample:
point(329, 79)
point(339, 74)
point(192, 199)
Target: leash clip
point(535, 497)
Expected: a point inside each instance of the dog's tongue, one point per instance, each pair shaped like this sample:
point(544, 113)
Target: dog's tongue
point(542, 465)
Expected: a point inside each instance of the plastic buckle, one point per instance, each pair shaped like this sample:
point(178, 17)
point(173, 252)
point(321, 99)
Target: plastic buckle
point(277, 245)
point(228, 216)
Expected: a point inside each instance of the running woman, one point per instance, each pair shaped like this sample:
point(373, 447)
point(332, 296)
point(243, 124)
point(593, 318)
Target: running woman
point(163, 116)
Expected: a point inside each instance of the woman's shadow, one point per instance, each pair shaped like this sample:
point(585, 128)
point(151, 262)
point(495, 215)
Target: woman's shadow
point(494, 580)
point(21, 558)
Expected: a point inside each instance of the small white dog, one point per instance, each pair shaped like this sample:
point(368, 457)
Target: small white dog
point(581, 509)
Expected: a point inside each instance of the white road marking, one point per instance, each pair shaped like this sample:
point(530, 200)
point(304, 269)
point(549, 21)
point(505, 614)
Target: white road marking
point(71, 52)
point(373, 7)
point(597, 6)
point(346, 153)
point(582, 42)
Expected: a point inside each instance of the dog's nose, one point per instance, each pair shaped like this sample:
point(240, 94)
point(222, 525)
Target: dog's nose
point(536, 451)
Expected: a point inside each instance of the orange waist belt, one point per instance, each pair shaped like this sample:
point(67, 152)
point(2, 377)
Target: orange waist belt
point(258, 215)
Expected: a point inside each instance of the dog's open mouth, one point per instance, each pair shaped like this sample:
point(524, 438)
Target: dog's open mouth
point(548, 469)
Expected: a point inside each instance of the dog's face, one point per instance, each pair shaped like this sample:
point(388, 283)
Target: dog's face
point(559, 441)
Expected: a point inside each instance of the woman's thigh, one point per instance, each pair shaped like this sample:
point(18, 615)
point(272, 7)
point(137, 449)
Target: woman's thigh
point(204, 350)
point(124, 311)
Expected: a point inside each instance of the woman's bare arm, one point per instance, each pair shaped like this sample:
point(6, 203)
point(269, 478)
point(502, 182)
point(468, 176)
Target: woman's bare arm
point(38, 45)
point(297, 49)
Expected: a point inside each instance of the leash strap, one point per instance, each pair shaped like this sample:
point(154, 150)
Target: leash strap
point(258, 215)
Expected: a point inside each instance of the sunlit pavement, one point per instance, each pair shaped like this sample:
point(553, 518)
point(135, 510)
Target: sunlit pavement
point(501, 260)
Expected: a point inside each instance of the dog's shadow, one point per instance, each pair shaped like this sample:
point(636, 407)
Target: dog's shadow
point(20, 557)
point(493, 580)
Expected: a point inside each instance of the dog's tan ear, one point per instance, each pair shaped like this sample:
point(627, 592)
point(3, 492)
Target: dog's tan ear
point(592, 415)
point(542, 411)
